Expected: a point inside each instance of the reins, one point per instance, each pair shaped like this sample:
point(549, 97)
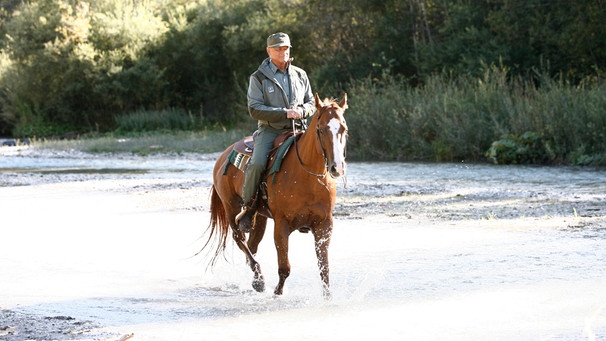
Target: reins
point(294, 131)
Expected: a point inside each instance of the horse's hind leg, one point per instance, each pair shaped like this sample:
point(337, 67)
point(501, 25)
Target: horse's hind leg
point(256, 233)
point(240, 239)
point(254, 238)
point(258, 281)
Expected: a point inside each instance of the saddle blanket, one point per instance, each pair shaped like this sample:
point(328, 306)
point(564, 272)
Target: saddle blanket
point(239, 156)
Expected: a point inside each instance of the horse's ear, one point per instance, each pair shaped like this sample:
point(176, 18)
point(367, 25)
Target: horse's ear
point(343, 103)
point(318, 102)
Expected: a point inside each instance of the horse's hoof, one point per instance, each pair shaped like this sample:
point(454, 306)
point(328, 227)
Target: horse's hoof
point(258, 285)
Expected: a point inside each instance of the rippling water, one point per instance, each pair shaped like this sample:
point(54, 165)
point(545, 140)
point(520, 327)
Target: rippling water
point(110, 240)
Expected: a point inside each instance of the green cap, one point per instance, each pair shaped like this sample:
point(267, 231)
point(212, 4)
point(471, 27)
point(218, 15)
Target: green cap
point(278, 39)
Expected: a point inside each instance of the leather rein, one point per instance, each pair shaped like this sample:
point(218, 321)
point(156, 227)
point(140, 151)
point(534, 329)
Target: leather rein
point(294, 130)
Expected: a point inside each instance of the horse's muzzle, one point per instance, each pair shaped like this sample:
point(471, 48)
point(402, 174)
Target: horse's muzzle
point(337, 170)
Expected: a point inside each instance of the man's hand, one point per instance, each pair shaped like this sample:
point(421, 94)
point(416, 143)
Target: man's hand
point(296, 113)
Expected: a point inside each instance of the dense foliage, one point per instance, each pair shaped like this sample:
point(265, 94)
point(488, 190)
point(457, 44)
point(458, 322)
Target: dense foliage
point(460, 119)
point(83, 65)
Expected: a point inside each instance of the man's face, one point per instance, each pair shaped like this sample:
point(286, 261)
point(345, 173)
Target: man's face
point(279, 55)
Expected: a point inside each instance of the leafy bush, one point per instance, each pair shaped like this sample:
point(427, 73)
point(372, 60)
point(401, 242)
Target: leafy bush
point(581, 157)
point(528, 148)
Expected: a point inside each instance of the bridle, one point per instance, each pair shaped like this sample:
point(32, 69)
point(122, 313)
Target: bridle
point(326, 166)
point(321, 176)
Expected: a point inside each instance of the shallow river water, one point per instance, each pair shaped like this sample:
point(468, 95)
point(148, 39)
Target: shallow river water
point(100, 247)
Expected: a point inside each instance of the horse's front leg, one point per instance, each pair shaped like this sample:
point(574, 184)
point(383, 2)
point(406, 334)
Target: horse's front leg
point(281, 233)
point(322, 234)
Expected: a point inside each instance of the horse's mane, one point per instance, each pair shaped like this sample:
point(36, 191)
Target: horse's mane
point(332, 102)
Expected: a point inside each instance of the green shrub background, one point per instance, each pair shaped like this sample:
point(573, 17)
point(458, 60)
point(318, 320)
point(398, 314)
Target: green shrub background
point(505, 81)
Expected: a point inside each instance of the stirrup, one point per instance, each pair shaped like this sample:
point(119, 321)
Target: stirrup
point(245, 219)
point(241, 214)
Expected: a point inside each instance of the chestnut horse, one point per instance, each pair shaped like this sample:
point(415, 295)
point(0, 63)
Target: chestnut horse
point(300, 196)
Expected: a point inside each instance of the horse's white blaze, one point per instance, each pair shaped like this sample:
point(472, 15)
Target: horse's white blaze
point(338, 144)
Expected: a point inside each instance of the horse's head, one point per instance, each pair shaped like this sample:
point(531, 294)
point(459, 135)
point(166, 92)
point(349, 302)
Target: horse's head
point(332, 133)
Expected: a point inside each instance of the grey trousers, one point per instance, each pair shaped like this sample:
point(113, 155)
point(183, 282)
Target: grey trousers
point(264, 142)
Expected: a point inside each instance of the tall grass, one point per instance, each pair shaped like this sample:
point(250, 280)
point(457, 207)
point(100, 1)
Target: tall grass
point(157, 142)
point(460, 119)
point(169, 119)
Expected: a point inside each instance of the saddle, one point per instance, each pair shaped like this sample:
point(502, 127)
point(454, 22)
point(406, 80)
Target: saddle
point(246, 145)
point(243, 149)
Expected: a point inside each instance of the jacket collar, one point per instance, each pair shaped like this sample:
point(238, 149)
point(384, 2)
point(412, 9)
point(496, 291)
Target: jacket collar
point(269, 68)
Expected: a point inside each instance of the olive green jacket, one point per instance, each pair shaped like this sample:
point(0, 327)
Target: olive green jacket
point(267, 101)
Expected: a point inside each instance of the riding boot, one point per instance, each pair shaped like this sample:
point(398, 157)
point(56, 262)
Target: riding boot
point(245, 219)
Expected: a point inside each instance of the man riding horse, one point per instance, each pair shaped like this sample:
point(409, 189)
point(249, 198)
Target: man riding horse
point(278, 93)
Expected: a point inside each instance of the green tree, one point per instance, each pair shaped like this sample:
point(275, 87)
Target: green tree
point(76, 64)
point(563, 37)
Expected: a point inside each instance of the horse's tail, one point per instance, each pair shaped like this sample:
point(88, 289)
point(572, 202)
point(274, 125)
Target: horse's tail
point(218, 229)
